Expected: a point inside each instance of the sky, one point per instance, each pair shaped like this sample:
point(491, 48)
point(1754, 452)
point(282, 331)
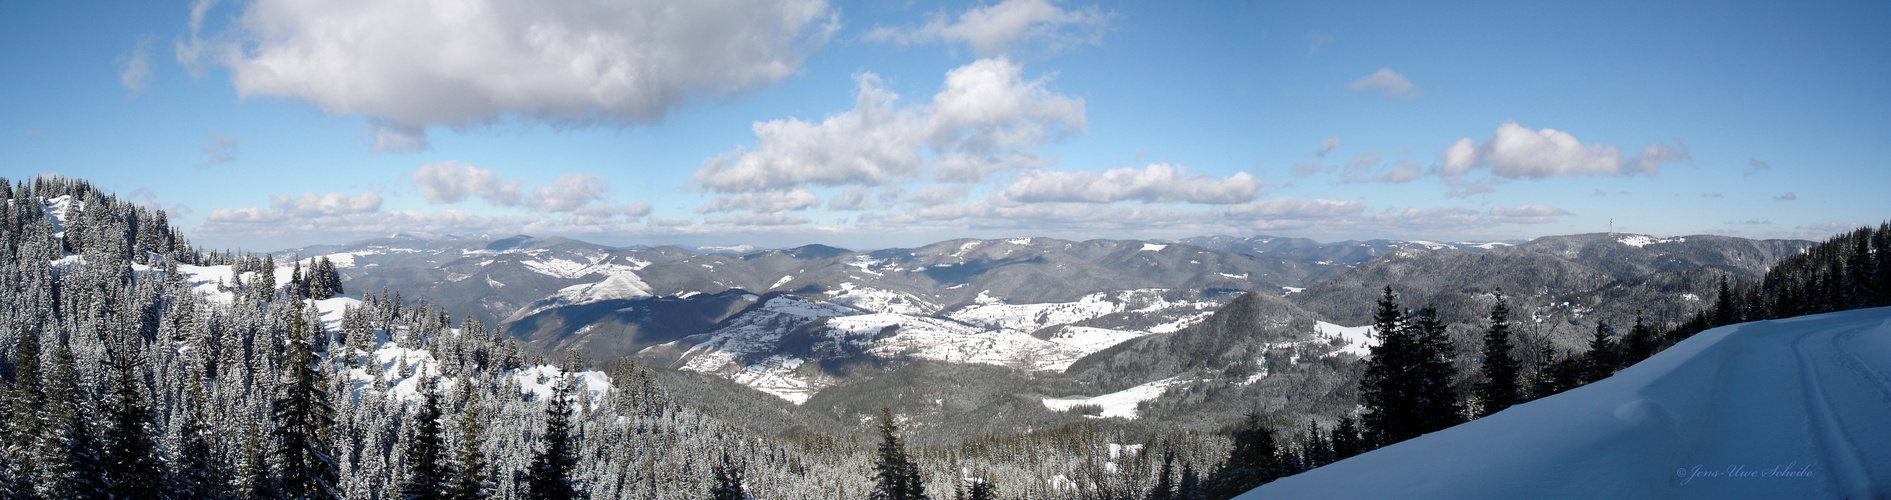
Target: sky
point(270, 124)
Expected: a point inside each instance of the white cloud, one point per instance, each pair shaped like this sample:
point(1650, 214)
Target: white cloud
point(995, 29)
point(1755, 165)
point(222, 149)
point(452, 181)
point(1789, 196)
point(1327, 146)
point(768, 219)
point(244, 215)
point(1156, 183)
point(1407, 171)
point(314, 205)
point(1526, 214)
point(412, 64)
point(1394, 84)
point(134, 68)
point(1297, 208)
point(938, 194)
point(984, 119)
point(1514, 151)
point(852, 198)
point(762, 201)
point(1315, 40)
point(568, 193)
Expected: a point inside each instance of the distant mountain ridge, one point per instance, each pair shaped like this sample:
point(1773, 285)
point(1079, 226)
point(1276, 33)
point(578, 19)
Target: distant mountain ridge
point(796, 322)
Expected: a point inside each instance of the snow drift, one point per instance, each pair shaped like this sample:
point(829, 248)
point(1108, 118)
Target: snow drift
point(1791, 408)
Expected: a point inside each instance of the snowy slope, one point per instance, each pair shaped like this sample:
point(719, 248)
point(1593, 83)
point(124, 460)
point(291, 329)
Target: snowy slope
point(1793, 408)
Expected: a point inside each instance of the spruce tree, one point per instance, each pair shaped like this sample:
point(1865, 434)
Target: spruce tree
point(982, 490)
point(895, 476)
point(470, 478)
point(133, 467)
point(1393, 382)
point(728, 480)
point(1599, 362)
point(1254, 460)
point(549, 476)
point(1437, 397)
point(1500, 370)
point(303, 417)
point(1164, 489)
point(1639, 344)
point(194, 467)
point(427, 469)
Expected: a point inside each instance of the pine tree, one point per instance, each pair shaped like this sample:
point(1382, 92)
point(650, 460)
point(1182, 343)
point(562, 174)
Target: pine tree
point(549, 477)
point(1190, 488)
point(1254, 460)
point(1640, 343)
point(728, 480)
point(470, 479)
point(1724, 313)
point(1599, 362)
point(982, 490)
point(1437, 395)
point(1164, 489)
point(133, 466)
point(427, 470)
point(1499, 389)
point(1393, 383)
point(895, 476)
point(195, 469)
point(303, 417)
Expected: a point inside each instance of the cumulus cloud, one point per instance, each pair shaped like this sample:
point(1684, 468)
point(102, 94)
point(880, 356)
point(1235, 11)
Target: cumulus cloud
point(452, 181)
point(995, 29)
point(1391, 82)
point(1515, 151)
point(412, 64)
point(314, 205)
point(1789, 196)
point(1754, 165)
point(852, 198)
point(222, 149)
point(1156, 183)
point(985, 119)
point(762, 202)
point(134, 68)
point(1327, 146)
point(568, 193)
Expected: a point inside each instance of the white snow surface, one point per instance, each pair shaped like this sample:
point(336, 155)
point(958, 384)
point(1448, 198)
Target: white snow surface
point(1359, 341)
point(1642, 240)
point(1791, 408)
point(1119, 404)
point(1152, 247)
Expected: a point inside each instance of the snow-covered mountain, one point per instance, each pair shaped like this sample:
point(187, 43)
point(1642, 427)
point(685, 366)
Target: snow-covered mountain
point(792, 322)
point(1791, 408)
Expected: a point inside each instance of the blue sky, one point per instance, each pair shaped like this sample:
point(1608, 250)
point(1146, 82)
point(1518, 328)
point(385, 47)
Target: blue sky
point(271, 124)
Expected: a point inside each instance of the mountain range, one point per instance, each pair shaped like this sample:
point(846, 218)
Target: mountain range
point(1052, 323)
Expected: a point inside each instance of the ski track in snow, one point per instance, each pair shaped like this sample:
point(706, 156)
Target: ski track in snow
point(1718, 415)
